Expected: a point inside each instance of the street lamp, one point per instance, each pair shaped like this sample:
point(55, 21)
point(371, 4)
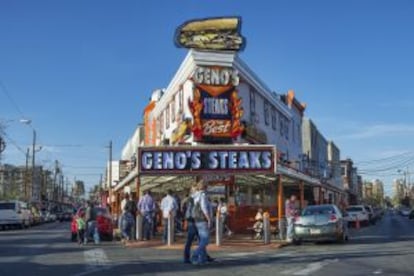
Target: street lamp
point(29, 123)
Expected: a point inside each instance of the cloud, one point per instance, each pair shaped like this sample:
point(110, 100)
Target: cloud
point(378, 130)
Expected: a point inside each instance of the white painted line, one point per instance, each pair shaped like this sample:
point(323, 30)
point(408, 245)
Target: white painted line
point(95, 260)
point(310, 268)
point(377, 272)
point(244, 254)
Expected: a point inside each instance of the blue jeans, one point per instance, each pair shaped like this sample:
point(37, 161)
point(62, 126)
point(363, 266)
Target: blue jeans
point(126, 226)
point(191, 234)
point(147, 225)
point(289, 231)
point(90, 230)
point(165, 233)
point(200, 254)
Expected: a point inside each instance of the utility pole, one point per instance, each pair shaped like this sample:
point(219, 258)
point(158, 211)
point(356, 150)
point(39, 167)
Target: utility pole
point(54, 180)
point(33, 162)
point(26, 176)
point(110, 175)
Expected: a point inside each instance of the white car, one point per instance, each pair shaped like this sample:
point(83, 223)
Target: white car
point(357, 213)
point(14, 213)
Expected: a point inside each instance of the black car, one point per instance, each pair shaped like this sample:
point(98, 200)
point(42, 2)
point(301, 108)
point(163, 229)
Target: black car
point(65, 216)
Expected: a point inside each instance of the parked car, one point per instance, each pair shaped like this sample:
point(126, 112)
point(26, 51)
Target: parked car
point(405, 212)
point(411, 216)
point(14, 213)
point(66, 216)
point(371, 214)
point(357, 213)
point(103, 220)
point(320, 223)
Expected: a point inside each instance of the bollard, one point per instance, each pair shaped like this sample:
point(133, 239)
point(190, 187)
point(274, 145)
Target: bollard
point(139, 231)
point(266, 228)
point(219, 229)
point(170, 229)
point(282, 229)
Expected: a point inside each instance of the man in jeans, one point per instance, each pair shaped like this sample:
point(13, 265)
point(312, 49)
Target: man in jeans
point(202, 214)
point(290, 213)
point(90, 219)
point(146, 207)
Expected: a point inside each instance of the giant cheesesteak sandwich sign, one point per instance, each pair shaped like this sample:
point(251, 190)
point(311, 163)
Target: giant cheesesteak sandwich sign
point(202, 160)
point(216, 107)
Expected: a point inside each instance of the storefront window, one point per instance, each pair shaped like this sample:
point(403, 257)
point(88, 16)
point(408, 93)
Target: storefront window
point(249, 194)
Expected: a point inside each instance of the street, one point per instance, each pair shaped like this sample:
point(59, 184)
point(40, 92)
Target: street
point(386, 248)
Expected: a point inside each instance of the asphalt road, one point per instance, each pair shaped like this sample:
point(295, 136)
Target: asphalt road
point(384, 249)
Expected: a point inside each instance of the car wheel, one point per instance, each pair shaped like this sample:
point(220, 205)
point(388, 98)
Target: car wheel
point(297, 241)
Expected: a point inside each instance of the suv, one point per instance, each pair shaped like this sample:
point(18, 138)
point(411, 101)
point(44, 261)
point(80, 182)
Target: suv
point(357, 213)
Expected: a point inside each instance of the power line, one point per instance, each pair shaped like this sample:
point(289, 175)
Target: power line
point(10, 98)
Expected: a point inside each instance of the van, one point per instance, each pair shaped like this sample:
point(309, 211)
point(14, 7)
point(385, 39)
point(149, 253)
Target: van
point(14, 213)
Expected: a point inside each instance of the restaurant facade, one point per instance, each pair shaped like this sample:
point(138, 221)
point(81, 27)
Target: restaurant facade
point(218, 121)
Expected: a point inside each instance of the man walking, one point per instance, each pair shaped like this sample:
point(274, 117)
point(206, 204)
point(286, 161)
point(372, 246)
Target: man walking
point(290, 213)
point(168, 207)
point(202, 214)
point(90, 219)
point(146, 207)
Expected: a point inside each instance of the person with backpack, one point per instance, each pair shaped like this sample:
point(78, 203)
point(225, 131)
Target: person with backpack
point(202, 215)
point(192, 233)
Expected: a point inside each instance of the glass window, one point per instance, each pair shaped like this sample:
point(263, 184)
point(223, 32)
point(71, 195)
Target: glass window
point(266, 112)
point(274, 118)
point(167, 117)
point(173, 109)
point(252, 105)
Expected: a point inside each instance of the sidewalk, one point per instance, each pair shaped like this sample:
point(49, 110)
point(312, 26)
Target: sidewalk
point(233, 243)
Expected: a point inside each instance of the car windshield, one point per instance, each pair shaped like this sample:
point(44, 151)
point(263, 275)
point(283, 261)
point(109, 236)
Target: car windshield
point(354, 209)
point(318, 210)
point(7, 206)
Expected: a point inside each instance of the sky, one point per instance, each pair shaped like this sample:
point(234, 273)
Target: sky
point(82, 72)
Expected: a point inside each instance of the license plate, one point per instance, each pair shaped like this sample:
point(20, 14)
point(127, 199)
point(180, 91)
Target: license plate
point(315, 231)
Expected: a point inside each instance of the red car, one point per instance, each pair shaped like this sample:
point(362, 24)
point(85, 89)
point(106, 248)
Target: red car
point(103, 219)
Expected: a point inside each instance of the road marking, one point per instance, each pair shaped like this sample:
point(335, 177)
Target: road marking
point(377, 272)
point(244, 254)
point(96, 260)
point(310, 268)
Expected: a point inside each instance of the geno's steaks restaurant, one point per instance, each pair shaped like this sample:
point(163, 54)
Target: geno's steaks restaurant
point(205, 125)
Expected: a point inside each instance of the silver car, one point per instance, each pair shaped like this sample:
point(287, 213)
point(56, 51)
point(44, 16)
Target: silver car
point(320, 223)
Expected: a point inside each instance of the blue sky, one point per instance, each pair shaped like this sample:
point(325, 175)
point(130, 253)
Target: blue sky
point(84, 70)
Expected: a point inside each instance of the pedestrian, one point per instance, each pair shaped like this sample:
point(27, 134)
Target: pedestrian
point(90, 219)
point(131, 208)
point(188, 204)
point(290, 212)
point(126, 224)
point(224, 215)
point(258, 225)
point(192, 233)
point(81, 226)
point(169, 208)
point(178, 215)
point(146, 207)
point(202, 214)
